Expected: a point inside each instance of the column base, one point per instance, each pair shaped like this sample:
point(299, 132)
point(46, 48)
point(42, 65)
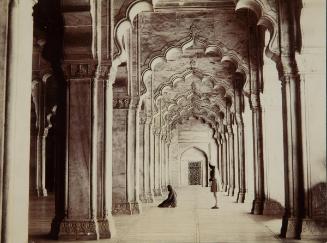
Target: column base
point(164, 189)
point(107, 227)
point(150, 197)
point(225, 188)
point(240, 197)
point(41, 192)
point(273, 208)
point(314, 228)
point(291, 228)
point(231, 191)
point(126, 208)
point(144, 198)
point(257, 206)
point(69, 229)
point(157, 192)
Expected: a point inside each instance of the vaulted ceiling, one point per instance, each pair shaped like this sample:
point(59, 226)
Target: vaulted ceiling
point(186, 53)
point(189, 60)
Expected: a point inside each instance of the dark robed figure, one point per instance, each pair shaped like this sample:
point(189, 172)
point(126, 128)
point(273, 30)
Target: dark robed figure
point(171, 201)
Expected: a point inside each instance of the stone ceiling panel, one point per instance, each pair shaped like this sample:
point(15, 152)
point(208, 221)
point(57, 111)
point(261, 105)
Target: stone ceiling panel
point(159, 31)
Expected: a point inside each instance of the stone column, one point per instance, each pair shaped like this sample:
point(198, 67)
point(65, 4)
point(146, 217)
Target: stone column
point(157, 178)
point(16, 26)
point(167, 161)
point(152, 160)
point(297, 219)
point(258, 202)
point(140, 156)
point(220, 159)
point(231, 165)
point(105, 219)
point(240, 143)
point(163, 162)
point(227, 160)
point(224, 159)
point(294, 219)
point(81, 207)
point(147, 160)
point(132, 162)
point(75, 217)
point(38, 95)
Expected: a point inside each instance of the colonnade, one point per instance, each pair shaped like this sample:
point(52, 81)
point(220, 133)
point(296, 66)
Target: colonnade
point(84, 196)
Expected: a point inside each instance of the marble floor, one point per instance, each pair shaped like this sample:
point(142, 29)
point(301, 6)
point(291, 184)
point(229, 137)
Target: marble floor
point(191, 222)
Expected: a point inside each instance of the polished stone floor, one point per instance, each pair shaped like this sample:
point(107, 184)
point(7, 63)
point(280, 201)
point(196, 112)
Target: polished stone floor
point(191, 222)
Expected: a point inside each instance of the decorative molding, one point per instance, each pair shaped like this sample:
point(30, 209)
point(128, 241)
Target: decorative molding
point(80, 70)
point(266, 14)
point(78, 230)
point(121, 102)
point(104, 228)
point(126, 208)
point(313, 227)
point(121, 208)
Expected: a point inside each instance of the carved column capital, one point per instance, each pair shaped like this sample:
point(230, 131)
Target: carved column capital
point(230, 130)
point(134, 102)
point(79, 70)
point(102, 72)
point(239, 119)
point(255, 101)
point(142, 120)
point(121, 102)
point(156, 131)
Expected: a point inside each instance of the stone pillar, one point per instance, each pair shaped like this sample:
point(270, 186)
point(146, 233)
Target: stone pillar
point(224, 159)
point(227, 160)
point(295, 209)
point(231, 165)
point(38, 95)
point(81, 207)
point(240, 143)
point(105, 219)
point(77, 221)
point(140, 156)
point(297, 219)
point(157, 178)
point(132, 163)
point(152, 159)
point(16, 26)
point(148, 167)
point(163, 162)
point(220, 160)
point(167, 161)
point(258, 202)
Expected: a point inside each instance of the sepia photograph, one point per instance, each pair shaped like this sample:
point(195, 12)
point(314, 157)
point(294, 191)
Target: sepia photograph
point(163, 121)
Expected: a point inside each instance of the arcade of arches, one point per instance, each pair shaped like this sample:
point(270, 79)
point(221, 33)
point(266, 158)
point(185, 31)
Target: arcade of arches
point(106, 102)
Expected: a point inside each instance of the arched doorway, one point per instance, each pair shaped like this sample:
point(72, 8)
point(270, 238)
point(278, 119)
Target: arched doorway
point(193, 167)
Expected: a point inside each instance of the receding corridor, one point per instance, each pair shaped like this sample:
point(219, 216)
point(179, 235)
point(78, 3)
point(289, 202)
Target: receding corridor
point(192, 221)
point(113, 111)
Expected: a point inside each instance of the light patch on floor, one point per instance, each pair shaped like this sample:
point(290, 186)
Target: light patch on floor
point(193, 221)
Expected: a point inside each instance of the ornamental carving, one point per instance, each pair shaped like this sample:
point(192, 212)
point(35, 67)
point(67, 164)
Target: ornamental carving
point(104, 228)
point(79, 70)
point(126, 208)
point(121, 102)
point(80, 227)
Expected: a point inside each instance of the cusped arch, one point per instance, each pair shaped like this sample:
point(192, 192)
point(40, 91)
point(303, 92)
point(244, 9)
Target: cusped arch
point(205, 166)
point(217, 48)
point(266, 17)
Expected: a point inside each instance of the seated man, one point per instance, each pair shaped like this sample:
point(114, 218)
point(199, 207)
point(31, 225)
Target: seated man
point(171, 201)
